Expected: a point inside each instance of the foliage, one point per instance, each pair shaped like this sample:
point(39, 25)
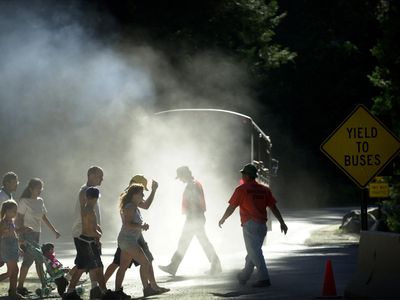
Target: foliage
point(241, 28)
point(386, 75)
point(392, 209)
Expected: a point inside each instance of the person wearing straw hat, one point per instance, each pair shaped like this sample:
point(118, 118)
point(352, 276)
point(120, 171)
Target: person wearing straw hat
point(142, 180)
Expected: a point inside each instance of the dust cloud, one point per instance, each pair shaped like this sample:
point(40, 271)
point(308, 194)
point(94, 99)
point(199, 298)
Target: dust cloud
point(71, 99)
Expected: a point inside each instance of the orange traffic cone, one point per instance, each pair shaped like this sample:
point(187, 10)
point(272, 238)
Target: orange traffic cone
point(329, 288)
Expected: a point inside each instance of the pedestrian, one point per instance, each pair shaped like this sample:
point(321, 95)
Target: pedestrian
point(9, 186)
point(95, 177)
point(137, 179)
point(88, 253)
point(253, 199)
point(31, 213)
point(9, 248)
point(194, 207)
point(128, 241)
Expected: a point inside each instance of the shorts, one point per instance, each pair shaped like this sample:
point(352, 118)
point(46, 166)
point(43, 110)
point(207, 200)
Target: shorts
point(142, 243)
point(128, 239)
point(29, 255)
point(9, 249)
point(87, 253)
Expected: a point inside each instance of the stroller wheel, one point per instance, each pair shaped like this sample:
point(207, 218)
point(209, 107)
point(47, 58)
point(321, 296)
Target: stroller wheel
point(47, 291)
point(80, 290)
point(39, 292)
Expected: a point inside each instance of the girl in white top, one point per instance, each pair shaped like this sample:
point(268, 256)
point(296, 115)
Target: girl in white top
point(31, 213)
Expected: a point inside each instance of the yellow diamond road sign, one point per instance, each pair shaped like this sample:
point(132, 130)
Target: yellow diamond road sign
point(361, 146)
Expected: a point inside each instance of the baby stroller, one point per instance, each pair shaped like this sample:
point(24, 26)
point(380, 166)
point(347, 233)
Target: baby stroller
point(53, 271)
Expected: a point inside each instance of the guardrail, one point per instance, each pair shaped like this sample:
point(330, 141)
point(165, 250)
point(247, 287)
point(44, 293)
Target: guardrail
point(378, 269)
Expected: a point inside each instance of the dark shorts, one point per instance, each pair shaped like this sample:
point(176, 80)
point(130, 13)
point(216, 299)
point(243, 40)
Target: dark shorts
point(87, 253)
point(142, 243)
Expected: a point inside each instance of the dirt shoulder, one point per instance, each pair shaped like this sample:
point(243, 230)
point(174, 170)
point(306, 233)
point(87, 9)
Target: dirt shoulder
point(331, 235)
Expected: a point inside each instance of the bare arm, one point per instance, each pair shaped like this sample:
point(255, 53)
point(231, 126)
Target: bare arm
point(19, 224)
point(52, 228)
point(278, 215)
point(229, 210)
point(82, 199)
point(146, 204)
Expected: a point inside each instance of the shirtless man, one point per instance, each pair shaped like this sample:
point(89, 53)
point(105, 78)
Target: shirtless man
point(95, 176)
point(88, 254)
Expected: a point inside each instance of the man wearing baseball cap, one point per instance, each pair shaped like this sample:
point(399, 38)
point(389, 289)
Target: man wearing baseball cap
point(253, 199)
point(194, 207)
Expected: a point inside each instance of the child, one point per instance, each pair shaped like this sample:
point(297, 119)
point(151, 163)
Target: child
point(55, 268)
point(9, 245)
point(88, 254)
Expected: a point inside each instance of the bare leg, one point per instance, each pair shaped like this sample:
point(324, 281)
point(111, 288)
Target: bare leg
point(40, 272)
point(12, 269)
point(143, 278)
point(22, 276)
point(110, 271)
point(151, 273)
point(98, 275)
point(123, 266)
point(75, 278)
point(93, 278)
point(137, 254)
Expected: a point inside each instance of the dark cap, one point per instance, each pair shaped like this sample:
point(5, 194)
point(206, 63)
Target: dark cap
point(250, 170)
point(183, 171)
point(92, 192)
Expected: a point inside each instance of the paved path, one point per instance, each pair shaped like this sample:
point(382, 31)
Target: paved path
point(296, 263)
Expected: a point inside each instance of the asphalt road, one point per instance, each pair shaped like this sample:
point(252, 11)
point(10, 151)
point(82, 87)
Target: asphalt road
point(296, 263)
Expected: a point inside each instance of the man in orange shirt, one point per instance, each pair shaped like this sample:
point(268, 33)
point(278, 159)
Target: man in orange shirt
point(253, 199)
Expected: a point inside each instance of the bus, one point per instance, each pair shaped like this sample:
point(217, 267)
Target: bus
point(229, 139)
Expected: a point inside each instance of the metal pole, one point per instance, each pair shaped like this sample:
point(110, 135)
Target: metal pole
point(364, 208)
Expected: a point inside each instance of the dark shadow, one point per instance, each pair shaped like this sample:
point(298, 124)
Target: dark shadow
point(149, 297)
point(234, 294)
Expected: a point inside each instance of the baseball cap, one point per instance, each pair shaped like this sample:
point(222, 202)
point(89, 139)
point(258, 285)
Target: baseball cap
point(250, 170)
point(183, 172)
point(140, 179)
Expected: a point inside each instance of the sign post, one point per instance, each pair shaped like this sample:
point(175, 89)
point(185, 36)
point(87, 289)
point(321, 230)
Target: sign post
point(361, 146)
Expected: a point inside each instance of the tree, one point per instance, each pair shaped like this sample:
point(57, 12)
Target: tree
point(386, 76)
point(242, 28)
